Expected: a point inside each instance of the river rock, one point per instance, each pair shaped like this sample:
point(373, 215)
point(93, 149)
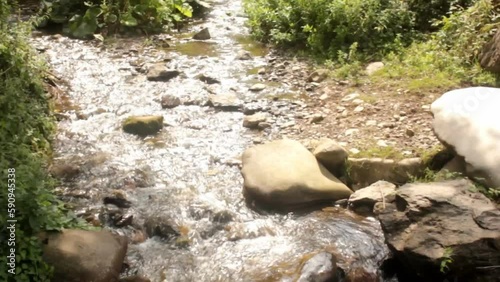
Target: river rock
point(207, 79)
point(135, 278)
point(427, 219)
point(243, 55)
point(160, 73)
point(203, 34)
point(161, 226)
point(170, 101)
point(363, 200)
point(227, 102)
point(490, 55)
point(257, 87)
point(467, 121)
point(253, 121)
point(318, 76)
point(331, 155)
point(366, 171)
point(143, 125)
point(320, 268)
point(374, 67)
point(284, 174)
point(80, 255)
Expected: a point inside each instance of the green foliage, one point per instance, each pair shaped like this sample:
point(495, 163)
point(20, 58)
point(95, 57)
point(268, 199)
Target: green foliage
point(446, 260)
point(25, 129)
point(427, 11)
point(327, 27)
point(448, 58)
point(84, 18)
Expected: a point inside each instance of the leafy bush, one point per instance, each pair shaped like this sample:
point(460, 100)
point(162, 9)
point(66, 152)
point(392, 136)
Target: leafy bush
point(449, 57)
point(328, 27)
point(427, 11)
point(84, 18)
point(25, 129)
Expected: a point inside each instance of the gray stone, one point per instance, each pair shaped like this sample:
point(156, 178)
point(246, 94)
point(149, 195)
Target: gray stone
point(257, 87)
point(254, 120)
point(160, 73)
point(427, 219)
point(363, 200)
point(374, 67)
point(203, 34)
point(227, 102)
point(170, 101)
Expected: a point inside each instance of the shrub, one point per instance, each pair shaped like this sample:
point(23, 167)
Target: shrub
point(327, 27)
point(427, 11)
point(449, 57)
point(83, 18)
point(25, 129)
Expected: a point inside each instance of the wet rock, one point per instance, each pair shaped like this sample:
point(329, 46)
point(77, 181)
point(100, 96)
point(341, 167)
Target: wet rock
point(80, 255)
point(257, 87)
point(143, 125)
point(317, 118)
point(363, 200)
point(320, 268)
point(318, 76)
point(135, 278)
point(226, 102)
point(170, 101)
point(124, 220)
point(66, 171)
point(490, 55)
point(254, 120)
point(374, 67)
point(426, 220)
point(261, 71)
point(252, 108)
point(203, 34)
point(223, 217)
point(467, 121)
point(243, 55)
point(331, 155)
point(118, 201)
point(162, 227)
point(161, 74)
point(284, 174)
point(366, 171)
point(207, 79)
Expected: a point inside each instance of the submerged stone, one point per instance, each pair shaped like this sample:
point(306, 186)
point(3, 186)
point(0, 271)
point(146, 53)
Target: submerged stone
point(143, 125)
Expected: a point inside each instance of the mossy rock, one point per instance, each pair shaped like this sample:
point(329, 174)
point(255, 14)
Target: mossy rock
point(143, 125)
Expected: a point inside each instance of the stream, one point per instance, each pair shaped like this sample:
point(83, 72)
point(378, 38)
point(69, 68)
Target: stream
point(178, 195)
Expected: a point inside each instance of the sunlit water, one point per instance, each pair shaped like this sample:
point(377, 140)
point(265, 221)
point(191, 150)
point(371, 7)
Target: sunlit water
point(183, 177)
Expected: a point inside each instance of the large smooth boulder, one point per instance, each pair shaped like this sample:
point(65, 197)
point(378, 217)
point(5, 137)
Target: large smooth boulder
point(490, 55)
point(82, 256)
point(428, 220)
point(467, 120)
point(284, 174)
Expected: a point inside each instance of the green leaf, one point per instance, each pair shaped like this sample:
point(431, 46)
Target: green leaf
point(185, 10)
point(128, 20)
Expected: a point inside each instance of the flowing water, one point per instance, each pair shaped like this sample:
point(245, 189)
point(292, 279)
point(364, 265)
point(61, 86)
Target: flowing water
point(184, 186)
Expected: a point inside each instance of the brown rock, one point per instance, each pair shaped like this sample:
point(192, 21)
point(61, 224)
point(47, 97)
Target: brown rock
point(490, 55)
point(80, 255)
